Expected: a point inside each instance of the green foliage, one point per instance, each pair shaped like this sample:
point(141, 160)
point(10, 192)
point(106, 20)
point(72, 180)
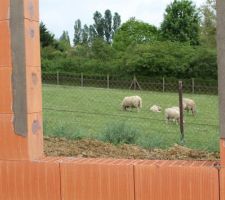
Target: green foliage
point(77, 33)
point(120, 133)
point(108, 26)
point(99, 24)
point(47, 38)
point(208, 23)
point(116, 23)
point(171, 59)
point(64, 131)
point(181, 22)
point(137, 47)
point(64, 42)
point(149, 142)
point(134, 32)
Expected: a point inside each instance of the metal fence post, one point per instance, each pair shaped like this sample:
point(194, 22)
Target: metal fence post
point(193, 85)
point(181, 112)
point(57, 77)
point(163, 84)
point(108, 81)
point(81, 80)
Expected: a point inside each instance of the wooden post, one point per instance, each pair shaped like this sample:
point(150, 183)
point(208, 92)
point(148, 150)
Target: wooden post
point(57, 77)
point(82, 80)
point(163, 86)
point(108, 81)
point(181, 112)
point(135, 82)
point(20, 81)
point(193, 85)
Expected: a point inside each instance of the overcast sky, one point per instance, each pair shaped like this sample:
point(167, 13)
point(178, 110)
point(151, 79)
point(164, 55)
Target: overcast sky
point(59, 15)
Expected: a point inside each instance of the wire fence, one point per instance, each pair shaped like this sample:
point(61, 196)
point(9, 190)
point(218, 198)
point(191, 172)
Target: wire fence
point(163, 84)
point(79, 105)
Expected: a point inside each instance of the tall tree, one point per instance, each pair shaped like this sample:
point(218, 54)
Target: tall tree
point(134, 32)
point(77, 33)
point(181, 22)
point(85, 34)
point(208, 23)
point(47, 38)
point(65, 37)
point(92, 34)
point(116, 22)
point(64, 41)
point(108, 26)
point(99, 24)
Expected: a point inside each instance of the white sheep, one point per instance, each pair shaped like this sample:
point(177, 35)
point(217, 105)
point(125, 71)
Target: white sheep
point(132, 102)
point(172, 114)
point(189, 104)
point(155, 108)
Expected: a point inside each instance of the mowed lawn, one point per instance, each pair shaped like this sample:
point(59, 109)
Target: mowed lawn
point(89, 111)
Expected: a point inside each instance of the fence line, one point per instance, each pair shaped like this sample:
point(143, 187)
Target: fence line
point(122, 116)
point(164, 84)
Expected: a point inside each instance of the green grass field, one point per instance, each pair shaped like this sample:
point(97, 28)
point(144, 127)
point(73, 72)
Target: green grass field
point(89, 111)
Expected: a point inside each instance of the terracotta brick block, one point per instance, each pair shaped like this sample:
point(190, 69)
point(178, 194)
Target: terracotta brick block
point(31, 9)
point(32, 43)
point(97, 179)
point(5, 90)
point(34, 89)
point(222, 152)
point(26, 180)
point(35, 135)
point(222, 183)
point(176, 180)
point(15, 147)
point(5, 55)
point(4, 9)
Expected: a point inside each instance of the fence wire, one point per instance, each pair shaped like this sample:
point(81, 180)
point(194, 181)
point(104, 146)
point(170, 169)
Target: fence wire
point(79, 105)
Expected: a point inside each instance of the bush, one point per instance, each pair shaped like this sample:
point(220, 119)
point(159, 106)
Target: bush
point(62, 130)
point(120, 133)
point(149, 142)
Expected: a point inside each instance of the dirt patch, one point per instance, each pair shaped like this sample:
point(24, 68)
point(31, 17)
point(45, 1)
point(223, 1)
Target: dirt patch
point(96, 149)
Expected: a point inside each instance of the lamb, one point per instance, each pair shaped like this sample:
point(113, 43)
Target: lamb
point(155, 108)
point(132, 102)
point(189, 104)
point(172, 114)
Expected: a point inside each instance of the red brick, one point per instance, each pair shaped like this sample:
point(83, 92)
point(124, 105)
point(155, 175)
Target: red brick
point(32, 43)
point(4, 9)
point(15, 147)
point(172, 180)
point(34, 90)
point(97, 179)
point(5, 90)
point(31, 9)
point(5, 55)
point(26, 180)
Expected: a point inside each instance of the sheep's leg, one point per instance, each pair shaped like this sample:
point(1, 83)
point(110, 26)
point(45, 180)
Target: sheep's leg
point(192, 110)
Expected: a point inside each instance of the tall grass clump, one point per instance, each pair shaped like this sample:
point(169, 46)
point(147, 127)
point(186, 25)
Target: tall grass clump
point(62, 130)
point(120, 133)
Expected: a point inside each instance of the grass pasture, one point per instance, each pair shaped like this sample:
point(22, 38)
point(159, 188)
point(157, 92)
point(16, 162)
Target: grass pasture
point(88, 112)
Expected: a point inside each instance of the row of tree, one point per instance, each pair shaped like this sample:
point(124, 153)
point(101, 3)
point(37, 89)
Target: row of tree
point(184, 45)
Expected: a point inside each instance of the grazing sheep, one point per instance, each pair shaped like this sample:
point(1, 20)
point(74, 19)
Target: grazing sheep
point(155, 108)
point(132, 102)
point(176, 108)
point(189, 104)
point(172, 114)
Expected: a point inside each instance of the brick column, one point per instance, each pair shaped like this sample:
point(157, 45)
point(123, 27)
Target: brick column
point(221, 73)
point(21, 135)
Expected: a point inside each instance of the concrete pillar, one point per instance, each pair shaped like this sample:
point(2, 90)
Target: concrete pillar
point(21, 136)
